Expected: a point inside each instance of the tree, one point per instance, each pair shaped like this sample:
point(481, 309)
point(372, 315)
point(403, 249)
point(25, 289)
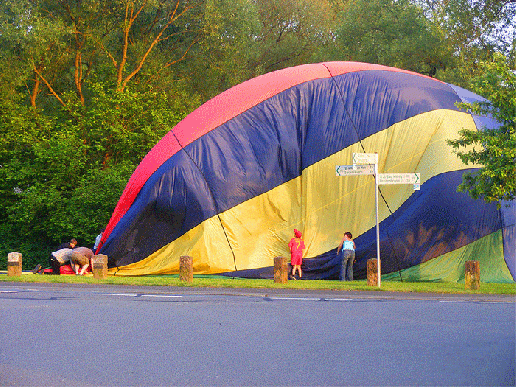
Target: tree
point(392, 33)
point(473, 30)
point(493, 148)
point(60, 44)
point(31, 44)
point(247, 38)
point(473, 24)
point(147, 28)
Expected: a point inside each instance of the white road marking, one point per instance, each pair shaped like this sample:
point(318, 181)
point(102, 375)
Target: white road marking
point(160, 296)
point(122, 294)
point(295, 298)
point(338, 299)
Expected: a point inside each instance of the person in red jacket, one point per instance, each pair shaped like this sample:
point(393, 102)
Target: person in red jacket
point(296, 246)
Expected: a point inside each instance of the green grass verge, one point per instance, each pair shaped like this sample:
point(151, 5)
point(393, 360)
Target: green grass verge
point(225, 282)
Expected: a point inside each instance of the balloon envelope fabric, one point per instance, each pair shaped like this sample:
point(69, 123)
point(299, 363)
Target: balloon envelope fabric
point(230, 183)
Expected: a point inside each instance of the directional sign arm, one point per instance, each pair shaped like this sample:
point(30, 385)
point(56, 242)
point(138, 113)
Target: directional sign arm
point(399, 178)
point(348, 170)
point(365, 158)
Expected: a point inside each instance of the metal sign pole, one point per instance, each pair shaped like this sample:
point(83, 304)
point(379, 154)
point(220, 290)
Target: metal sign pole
point(379, 265)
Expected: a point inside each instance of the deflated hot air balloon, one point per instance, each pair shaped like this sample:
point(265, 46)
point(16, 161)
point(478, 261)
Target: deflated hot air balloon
point(229, 183)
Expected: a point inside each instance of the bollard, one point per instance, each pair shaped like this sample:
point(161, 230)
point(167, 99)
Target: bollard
point(99, 266)
point(372, 272)
point(186, 268)
point(14, 264)
point(280, 270)
point(472, 275)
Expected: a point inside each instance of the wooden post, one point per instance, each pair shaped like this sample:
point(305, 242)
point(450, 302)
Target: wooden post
point(372, 272)
point(280, 270)
point(472, 275)
point(186, 268)
point(14, 264)
point(99, 266)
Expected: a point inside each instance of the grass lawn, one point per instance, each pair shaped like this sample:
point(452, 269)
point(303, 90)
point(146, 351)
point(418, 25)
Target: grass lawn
point(206, 281)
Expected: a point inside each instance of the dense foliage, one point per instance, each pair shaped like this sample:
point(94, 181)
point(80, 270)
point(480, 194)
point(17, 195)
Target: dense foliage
point(494, 148)
point(87, 87)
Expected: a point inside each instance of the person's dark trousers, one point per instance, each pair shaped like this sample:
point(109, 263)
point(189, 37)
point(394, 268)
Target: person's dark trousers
point(54, 264)
point(346, 269)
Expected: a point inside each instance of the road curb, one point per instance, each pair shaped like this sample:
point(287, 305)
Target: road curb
point(271, 293)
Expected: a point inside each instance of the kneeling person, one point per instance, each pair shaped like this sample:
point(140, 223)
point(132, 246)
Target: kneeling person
point(88, 253)
point(78, 261)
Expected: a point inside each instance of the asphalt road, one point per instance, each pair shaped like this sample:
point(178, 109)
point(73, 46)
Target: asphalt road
point(63, 335)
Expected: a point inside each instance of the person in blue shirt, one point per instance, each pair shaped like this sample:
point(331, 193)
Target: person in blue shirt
point(347, 249)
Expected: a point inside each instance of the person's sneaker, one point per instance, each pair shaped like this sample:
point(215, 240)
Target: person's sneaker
point(37, 269)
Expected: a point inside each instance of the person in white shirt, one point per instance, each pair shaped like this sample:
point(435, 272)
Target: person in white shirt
point(59, 258)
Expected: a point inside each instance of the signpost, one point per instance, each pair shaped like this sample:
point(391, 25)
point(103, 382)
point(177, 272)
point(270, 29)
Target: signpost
point(365, 158)
point(367, 164)
point(354, 170)
point(400, 178)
